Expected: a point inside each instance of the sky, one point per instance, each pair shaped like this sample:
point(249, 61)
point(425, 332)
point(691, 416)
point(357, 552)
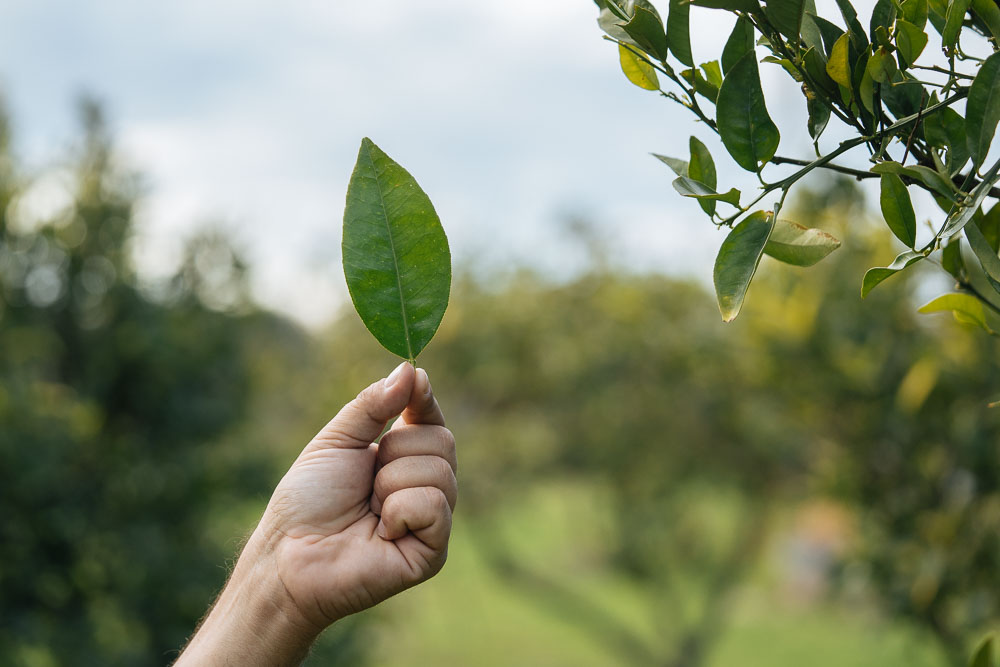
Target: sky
point(513, 115)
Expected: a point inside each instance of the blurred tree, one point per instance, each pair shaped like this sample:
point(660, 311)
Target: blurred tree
point(128, 464)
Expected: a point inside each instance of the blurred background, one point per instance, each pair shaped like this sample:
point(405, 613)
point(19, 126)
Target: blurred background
point(818, 481)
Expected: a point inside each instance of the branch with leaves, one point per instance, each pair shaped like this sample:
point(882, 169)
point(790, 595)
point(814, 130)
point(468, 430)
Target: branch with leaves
point(869, 82)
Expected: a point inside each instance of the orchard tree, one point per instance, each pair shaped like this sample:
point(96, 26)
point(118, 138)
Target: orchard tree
point(926, 122)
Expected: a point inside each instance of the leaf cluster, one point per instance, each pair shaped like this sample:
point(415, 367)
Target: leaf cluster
point(873, 82)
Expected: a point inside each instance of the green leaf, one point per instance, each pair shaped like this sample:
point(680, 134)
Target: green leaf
point(936, 11)
point(737, 261)
point(875, 276)
point(982, 110)
point(831, 32)
point(611, 23)
point(679, 167)
point(983, 657)
point(638, 71)
point(990, 226)
point(731, 5)
point(396, 257)
point(981, 248)
point(793, 243)
point(911, 41)
point(967, 309)
point(932, 179)
point(819, 117)
point(786, 17)
point(701, 85)
point(646, 29)
point(702, 169)
point(739, 44)
point(897, 209)
point(915, 12)
point(745, 127)
point(883, 14)
point(713, 73)
point(689, 187)
point(989, 14)
point(961, 215)
point(679, 31)
point(951, 258)
point(881, 66)
point(857, 33)
point(945, 128)
point(839, 65)
point(953, 23)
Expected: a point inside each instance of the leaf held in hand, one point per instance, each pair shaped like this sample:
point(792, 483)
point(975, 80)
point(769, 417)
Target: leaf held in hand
point(396, 257)
point(737, 261)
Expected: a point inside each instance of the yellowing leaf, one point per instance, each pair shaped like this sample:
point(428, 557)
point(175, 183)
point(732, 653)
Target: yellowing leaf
point(638, 71)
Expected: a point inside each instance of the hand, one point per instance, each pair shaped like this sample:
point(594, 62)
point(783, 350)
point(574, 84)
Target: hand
point(351, 524)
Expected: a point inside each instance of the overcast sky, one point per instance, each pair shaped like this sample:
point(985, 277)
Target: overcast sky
point(512, 114)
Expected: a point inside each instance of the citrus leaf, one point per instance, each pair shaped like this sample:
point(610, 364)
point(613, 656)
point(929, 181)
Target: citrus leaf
point(819, 117)
point(953, 23)
point(911, 41)
point(981, 247)
point(679, 31)
point(396, 257)
point(915, 12)
point(897, 209)
point(702, 169)
point(839, 66)
point(989, 13)
point(945, 128)
point(967, 309)
point(737, 261)
point(961, 216)
point(982, 111)
point(786, 17)
point(883, 14)
point(745, 127)
point(876, 275)
point(932, 179)
point(689, 187)
point(795, 244)
point(740, 43)
point(679, 167)
point(638, 71)
point(951, 258)
point(646, 29)
point(983, 657)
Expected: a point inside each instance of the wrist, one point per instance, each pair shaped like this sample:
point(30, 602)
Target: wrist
point(254, 621)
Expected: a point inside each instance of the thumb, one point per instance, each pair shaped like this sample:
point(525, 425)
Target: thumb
point(361, 421)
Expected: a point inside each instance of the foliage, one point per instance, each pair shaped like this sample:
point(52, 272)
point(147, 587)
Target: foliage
point(871, 83)
point(396, 257)
point(129, 469)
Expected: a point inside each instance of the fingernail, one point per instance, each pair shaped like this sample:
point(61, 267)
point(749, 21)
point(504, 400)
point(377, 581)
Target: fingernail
point(427, 382)
point(394, 376)
point(380, 530)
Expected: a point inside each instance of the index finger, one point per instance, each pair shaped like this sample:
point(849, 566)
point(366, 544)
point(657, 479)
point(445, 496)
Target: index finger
point(423, 408)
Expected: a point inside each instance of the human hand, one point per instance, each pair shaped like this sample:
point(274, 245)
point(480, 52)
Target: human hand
point(350, 524)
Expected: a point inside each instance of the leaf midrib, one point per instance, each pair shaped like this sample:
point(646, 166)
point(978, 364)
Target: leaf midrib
point(392, 247)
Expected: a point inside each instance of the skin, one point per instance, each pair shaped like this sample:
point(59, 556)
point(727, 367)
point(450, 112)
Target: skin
point(351, 523)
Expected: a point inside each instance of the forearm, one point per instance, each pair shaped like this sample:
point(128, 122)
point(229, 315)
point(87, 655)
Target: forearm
point(252, 622)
